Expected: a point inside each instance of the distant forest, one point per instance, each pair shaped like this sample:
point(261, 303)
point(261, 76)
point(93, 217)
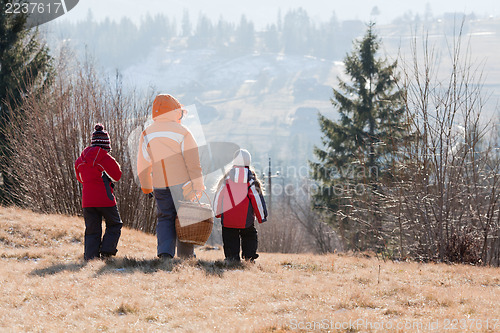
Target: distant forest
point(120, 44)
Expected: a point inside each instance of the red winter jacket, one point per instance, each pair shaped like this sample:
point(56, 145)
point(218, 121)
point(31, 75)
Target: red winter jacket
point(238, 202)
point(91, 169)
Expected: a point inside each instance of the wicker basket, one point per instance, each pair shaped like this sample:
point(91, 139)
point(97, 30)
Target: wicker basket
point(194, 222)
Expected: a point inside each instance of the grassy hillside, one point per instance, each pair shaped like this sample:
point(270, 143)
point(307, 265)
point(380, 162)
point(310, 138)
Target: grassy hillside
point(47, 287)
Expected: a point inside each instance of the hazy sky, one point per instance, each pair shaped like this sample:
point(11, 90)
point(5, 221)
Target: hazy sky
point(262, 12)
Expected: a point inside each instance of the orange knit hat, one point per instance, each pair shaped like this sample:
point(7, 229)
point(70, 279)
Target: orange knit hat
point(164, 103)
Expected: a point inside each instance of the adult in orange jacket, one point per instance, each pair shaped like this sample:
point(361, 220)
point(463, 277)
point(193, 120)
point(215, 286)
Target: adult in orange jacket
point(168, 165)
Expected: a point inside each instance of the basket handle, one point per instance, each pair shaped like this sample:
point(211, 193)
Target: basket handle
point(203, 192)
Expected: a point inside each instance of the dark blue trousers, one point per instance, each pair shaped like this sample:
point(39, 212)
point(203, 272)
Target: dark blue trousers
point(167, 201)
point(94, 245)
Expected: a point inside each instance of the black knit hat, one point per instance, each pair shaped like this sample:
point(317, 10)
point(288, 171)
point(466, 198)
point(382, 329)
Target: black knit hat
point(100, 137)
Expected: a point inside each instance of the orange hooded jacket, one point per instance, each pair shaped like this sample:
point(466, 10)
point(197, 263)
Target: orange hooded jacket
point(168, 153)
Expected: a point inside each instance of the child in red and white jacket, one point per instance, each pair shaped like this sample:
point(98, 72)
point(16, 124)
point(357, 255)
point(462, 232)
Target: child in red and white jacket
point(96, 169)
point(238, 201)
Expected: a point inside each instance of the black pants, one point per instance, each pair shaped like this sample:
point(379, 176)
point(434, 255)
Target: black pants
point(231, 238)
point(94, 246)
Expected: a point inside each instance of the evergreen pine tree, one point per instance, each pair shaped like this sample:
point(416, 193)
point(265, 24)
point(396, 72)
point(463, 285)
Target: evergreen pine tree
point(359, 147)
point(245, 36)
point(24, 65)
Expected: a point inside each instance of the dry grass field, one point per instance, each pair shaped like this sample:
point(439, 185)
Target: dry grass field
point(47, 287)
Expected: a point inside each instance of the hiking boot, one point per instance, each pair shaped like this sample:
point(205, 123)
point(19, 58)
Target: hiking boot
point(232, 261)
point(251, 258)
point(165, 256)
point(106, 256)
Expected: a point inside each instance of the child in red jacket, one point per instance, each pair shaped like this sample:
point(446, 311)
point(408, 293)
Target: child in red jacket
point(238, 201)
point(97, 170)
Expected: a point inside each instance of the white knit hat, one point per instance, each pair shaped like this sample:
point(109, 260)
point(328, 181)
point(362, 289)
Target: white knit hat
point(242, 158)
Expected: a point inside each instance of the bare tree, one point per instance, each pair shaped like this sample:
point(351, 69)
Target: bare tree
point(295, 227)
point(56, 128)
point(445, 202)
point(320, 232)
point(282, 232)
